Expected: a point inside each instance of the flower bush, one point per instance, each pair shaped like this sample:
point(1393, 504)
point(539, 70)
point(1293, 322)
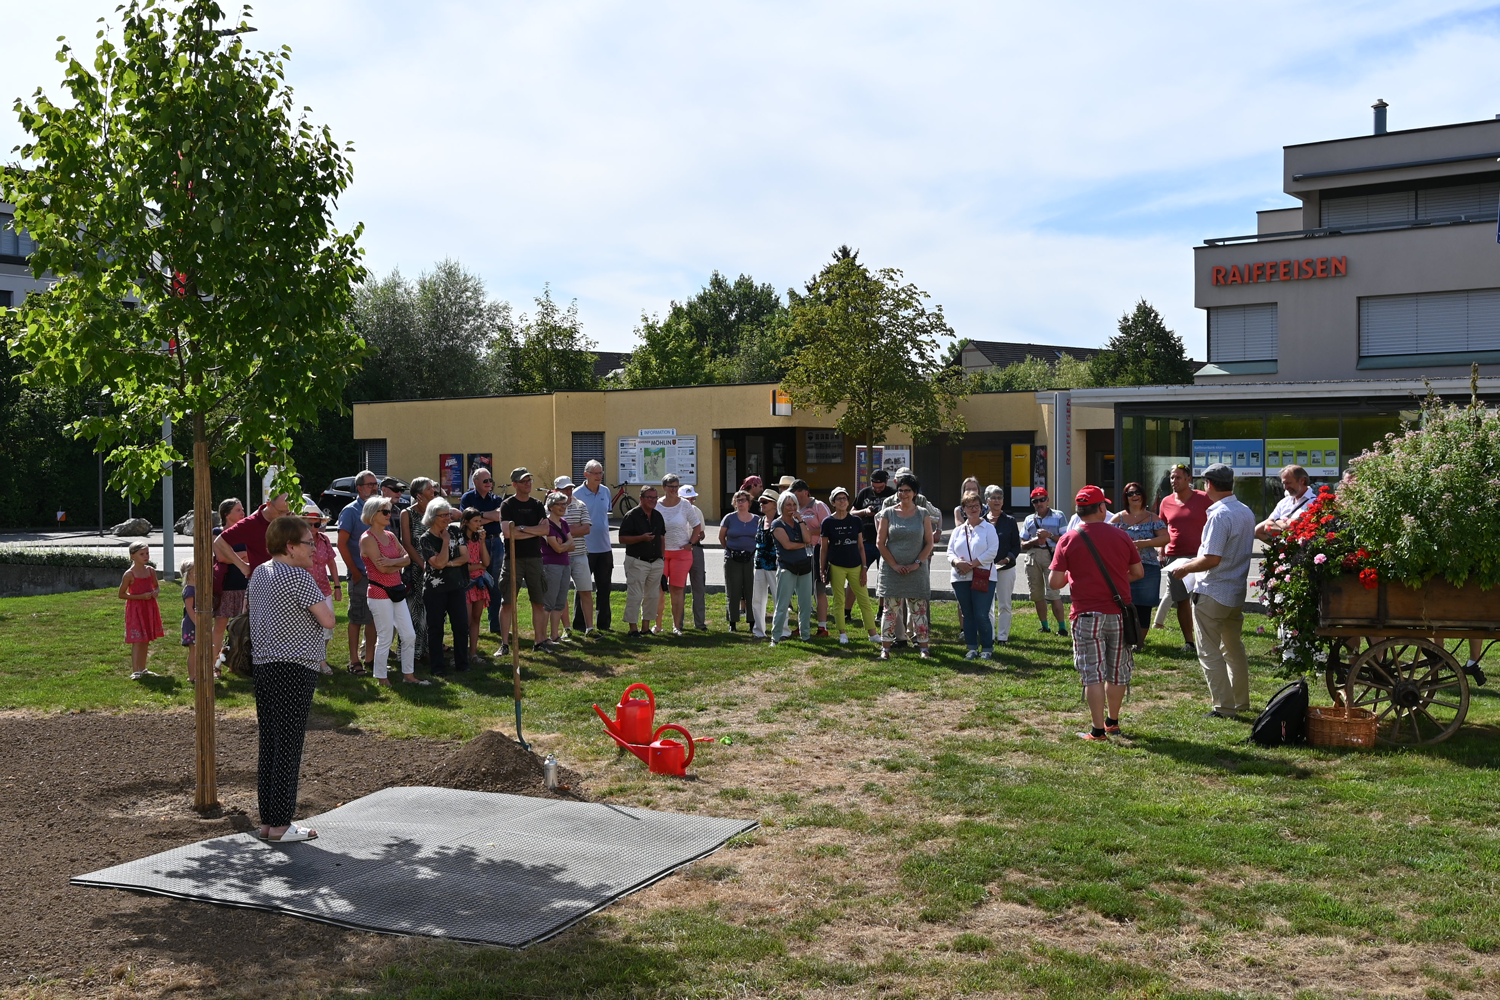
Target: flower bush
point(1420, 504)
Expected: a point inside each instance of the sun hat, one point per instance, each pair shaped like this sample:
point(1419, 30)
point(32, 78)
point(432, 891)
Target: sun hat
point(310, 508)
point(835, 492)
point(770, 495)
point(687, 492)
point(786, 482)
point(1090, 494)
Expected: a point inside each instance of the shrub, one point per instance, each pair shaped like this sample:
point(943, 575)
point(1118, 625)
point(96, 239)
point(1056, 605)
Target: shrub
point(29, 556)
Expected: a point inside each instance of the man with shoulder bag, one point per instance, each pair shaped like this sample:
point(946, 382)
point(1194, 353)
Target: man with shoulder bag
point(1098, 561)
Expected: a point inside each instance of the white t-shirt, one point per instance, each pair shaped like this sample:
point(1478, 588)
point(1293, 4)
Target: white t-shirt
point(1292, 507)
point(681, 520)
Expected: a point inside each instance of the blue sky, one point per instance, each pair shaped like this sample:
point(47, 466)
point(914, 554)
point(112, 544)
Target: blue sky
point(1036, 170)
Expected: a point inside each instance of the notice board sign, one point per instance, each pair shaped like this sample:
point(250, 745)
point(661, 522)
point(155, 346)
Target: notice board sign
point(646, 459)
point(450, 475)
point(823, 447)
point(1319, 456)
point(1245, 456)
point(1020, 475)
point(781, 403)
point(887, 458)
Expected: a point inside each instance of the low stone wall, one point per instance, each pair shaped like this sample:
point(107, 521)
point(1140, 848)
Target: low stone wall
point(22, 580)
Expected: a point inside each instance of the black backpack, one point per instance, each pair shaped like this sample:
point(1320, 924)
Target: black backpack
point(1285, 718)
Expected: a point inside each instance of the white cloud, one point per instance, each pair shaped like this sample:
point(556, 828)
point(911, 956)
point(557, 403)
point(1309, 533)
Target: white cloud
point(1037, 169)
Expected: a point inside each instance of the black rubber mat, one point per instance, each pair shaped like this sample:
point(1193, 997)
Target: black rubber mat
point(467, 866)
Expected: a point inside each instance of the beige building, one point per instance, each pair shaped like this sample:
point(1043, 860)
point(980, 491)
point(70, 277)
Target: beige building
point(716, 435)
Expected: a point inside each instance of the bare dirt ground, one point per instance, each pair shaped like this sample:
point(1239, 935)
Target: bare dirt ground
point(78, 804)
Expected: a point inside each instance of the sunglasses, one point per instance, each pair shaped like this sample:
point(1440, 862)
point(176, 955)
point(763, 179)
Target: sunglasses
point(1134, 494)
point(1035, 502)
point(485, 482)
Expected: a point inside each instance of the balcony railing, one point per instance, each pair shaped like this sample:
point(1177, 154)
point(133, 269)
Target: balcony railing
point(1373, 227)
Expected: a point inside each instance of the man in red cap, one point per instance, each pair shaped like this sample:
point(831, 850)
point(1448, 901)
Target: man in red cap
point(1039, 534)
point(1103, 660)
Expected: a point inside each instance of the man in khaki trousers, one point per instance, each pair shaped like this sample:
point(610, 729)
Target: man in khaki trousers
point(1218, 593)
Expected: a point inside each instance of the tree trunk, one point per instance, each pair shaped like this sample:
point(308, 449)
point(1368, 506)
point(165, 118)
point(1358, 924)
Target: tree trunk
point(206, 796)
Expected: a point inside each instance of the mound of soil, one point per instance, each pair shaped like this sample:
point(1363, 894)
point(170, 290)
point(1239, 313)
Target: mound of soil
point(493, 762)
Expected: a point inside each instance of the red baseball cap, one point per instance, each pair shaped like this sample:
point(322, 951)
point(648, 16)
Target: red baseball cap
point(1039, 494)
point(1090, 494)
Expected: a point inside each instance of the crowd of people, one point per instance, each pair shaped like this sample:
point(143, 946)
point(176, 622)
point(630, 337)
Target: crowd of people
point(415, 572)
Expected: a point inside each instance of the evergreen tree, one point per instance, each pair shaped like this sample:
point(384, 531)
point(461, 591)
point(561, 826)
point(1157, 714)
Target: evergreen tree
point(1144, 352)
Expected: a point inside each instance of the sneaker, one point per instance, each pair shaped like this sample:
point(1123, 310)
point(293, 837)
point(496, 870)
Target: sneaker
point(676, 630)
point(986, 654)
point(1188, 647)
point(1062, 632)
point(843, 638)
point(590, 633)
point(773, 642)
point(885, 654)
point(1473, 669)
point(1089, 735)
point(926, 654)
point(734, 626)
point(1046, 628)
point(1112, 730)
point(822, 632)
point(972, 654)
point(504, 649)
point(848, 618)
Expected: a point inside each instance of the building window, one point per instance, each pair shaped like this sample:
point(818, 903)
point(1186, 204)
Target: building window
point(587, 446)
point(372, 455)
point(1242, 333)
point(13, 243)
point(1430, 323)
point(6, 298)
point(1405, 206)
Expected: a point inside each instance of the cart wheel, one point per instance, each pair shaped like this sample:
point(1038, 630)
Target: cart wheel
point(1336, 673)
point(1415, 687)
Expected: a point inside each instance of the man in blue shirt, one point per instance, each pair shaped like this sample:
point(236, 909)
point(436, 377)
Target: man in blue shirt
point(1218, 593)
point(482, 498)
point(596, 497)
point(1039, 535)
point(351, 527)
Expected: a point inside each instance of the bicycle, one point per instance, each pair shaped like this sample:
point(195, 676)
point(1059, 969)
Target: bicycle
point(622, 501)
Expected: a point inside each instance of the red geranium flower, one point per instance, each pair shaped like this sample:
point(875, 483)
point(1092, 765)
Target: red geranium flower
point(1369, 577)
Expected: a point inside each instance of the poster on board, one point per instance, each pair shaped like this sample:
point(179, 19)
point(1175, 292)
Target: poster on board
point(823, 447)
point(1319, 456)
point(1038, 469)
point(1246, 456)
point(478, 460)
point(646, 459)
point(888, 458)
point(450, 477)
point(1020, 475)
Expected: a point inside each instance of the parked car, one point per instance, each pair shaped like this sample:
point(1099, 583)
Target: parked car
point(340, 494)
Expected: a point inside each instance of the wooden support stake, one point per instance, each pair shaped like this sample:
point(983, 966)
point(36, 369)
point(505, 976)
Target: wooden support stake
point(515, 639)
point(206, 793)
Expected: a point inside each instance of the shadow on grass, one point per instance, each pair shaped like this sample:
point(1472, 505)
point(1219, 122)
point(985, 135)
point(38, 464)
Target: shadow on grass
point(1219, 757)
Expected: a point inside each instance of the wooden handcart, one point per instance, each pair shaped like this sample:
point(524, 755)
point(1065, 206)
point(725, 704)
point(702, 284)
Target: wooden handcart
point(1408, 673)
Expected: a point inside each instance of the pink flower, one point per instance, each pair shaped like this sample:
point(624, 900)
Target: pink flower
point(1320, 559)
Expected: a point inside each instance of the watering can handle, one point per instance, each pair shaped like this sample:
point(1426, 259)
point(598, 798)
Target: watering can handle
point(651, 698)
point(687, 735)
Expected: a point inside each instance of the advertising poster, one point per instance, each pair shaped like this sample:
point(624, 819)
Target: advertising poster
point(1038, 469)
point(823, 447)
point(1246, 457)
point(895, 458)
point(450, 475)
point(1020, 475)
point(862, 466)
point(646, 458)
point(887, 458)
point(1319, 456)
point(478, 460)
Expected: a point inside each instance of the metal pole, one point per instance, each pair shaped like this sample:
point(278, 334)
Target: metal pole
point(168, 513)
point(101, 494)
point(250, 503)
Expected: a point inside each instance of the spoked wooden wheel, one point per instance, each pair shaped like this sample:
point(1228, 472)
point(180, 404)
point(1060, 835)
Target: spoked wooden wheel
point(1415, 687)
point(1336, 671)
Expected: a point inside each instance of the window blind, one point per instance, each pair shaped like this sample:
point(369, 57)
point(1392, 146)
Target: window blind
point(587, 446)
point(1430, 323)
point(1242, 333)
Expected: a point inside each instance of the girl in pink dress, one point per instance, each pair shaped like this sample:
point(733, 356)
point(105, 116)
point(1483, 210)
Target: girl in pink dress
point(138, 589)
point(479, 562)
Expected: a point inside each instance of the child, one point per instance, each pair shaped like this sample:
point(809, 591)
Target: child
point(138, 588)
point(189, 623)
point(557, 558)
point(479, 562)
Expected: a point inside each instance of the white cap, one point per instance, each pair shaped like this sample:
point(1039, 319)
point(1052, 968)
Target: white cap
point(562, 483)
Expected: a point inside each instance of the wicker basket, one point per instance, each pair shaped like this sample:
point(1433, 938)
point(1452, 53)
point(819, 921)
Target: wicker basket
point(1340, 726)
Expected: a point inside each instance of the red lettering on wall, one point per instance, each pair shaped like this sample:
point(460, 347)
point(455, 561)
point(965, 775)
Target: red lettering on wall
point(1285, 270)
point(1307, 268)
point(1322, 267)
point(1255, 272)
point(1340, 266)
point(1281, 270)
point(1234, 276)
point(1219, 275)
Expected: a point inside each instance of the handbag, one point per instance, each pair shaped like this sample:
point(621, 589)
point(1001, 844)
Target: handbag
point(1130, 626)
point(981, 581)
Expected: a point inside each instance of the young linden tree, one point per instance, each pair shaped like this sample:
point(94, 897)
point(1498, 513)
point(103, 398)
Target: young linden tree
point(181, 206)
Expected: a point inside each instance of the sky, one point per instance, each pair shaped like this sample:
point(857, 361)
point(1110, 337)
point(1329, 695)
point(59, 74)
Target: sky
point(1036, 168)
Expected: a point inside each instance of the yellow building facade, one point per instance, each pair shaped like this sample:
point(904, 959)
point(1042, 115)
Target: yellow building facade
point(726, 432)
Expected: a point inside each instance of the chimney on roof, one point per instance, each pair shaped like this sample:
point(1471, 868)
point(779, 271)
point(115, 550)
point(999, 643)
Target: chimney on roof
point(1380, 107)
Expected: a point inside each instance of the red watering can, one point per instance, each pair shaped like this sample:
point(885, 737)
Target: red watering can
point(633, 717)
point(667, 756)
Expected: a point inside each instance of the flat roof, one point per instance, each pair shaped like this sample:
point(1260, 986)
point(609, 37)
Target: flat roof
point(1401, 131)
point(1247, 391)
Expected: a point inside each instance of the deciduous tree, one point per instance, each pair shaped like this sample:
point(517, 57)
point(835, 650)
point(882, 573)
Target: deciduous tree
point(548, 352)
point(182, 203)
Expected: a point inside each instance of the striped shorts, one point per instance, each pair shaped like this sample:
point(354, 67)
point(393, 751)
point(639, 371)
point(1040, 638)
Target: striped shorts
point(1099, 650)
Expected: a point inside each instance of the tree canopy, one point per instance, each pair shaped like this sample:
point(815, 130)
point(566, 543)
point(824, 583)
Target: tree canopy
point(866, 347)
point(1143, 352)
point(729, 332)
point(548, 351)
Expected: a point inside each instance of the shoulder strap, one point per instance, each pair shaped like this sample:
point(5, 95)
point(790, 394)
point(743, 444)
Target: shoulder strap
point(1103, 572)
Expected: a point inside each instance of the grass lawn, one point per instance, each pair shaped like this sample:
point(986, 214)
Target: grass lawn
point(932, 827)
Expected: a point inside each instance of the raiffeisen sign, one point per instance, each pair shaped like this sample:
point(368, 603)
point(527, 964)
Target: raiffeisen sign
point(1282, 270)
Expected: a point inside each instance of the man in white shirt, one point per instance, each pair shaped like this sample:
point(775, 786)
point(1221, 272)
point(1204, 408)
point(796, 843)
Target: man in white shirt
point(1299, 495)
point(684, 529)
point(1218, 593)
point(814, 513)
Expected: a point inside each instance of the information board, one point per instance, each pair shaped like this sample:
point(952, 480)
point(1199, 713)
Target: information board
point(1020, 475)
point(823, 447)
point(1319, 456)
point(450, 475)
point(887, 458)
point(1245, 456)
point(645, 459)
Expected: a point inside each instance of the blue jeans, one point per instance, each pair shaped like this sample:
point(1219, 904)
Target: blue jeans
point(978, 631)
point(788, 583)
point(496, 545)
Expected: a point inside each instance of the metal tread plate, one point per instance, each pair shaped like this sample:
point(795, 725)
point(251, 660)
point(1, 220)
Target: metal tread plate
point(478, 867)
